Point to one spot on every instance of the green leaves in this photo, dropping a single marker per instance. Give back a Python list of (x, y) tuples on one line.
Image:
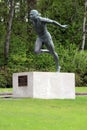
[(67, 42)]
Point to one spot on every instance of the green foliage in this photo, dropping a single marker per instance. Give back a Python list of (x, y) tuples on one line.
[(3, 81), (5, 78), (72, 60), (67, 41), (80, 62)]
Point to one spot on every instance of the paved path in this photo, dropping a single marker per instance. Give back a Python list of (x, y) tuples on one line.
[(6, 94), (9, 94), (81, 94)]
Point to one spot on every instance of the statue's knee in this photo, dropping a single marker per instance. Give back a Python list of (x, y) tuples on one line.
[(36, 52)]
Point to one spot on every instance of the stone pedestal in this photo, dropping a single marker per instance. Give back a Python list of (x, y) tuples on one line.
[(44, 85)]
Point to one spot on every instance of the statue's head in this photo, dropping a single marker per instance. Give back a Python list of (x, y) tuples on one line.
[(34, 14)]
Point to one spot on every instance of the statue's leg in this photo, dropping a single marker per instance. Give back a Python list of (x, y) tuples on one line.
[(44, 51), (55, 55), (50, 47), (38, 46)]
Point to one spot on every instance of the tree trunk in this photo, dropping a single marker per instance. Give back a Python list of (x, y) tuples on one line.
[(31, 4), (84, 26), (8, 34)]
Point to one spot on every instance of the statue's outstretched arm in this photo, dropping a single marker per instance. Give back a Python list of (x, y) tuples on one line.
[(58, 24), (46, 20)]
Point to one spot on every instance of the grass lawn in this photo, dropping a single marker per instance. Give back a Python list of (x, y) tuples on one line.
[(37, 114), (5, 89), (81, 89)]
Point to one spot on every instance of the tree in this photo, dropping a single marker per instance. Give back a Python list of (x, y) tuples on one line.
[(84, 26), (8, 33), (31, 4)]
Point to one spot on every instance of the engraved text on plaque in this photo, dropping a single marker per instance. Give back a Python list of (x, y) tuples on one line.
[(22, 81)]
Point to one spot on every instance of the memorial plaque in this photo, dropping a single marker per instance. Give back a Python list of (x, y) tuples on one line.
[(22, 81)]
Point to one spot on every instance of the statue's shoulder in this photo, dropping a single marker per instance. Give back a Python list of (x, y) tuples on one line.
[(39, 18), (42, 19)]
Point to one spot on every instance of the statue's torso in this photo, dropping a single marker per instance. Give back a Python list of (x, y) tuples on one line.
[(40, 27)]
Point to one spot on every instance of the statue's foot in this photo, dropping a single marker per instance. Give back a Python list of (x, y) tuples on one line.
[(58, 70)]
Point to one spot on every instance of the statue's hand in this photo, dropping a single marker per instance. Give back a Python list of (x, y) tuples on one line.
[(64, 26)]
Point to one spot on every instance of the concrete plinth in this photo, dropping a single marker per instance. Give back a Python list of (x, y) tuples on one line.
[(44, 85)]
